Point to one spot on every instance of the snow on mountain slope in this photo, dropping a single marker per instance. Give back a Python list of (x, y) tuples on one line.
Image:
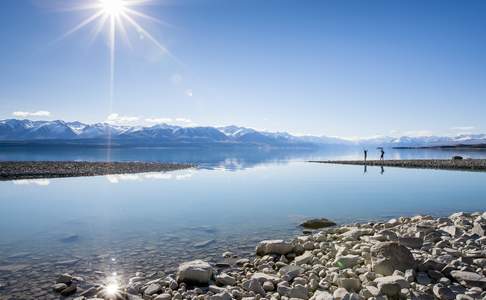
[(25, 130)]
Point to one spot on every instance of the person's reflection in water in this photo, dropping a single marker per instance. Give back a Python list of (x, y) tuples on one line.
[(365, 169), (382, 170)]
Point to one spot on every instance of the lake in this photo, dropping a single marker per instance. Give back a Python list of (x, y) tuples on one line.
[(91, 226)]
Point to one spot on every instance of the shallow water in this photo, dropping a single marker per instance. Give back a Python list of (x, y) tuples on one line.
[(151, 222)]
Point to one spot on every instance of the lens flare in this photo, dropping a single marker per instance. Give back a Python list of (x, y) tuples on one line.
[(112, 289)]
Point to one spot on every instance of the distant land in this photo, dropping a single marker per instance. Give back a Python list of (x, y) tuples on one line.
[(15, 131), (458, 146)]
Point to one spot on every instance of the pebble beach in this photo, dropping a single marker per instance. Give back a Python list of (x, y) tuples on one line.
[(419, 257)]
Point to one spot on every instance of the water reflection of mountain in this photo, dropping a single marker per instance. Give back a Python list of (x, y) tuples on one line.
[(229, 158)]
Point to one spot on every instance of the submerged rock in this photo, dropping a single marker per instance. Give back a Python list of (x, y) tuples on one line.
[(204, 243), (317, 223)]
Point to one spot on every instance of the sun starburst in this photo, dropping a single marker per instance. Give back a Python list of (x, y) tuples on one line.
[(116, 17)]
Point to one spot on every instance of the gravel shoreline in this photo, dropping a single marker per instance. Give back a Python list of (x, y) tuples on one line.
[(418, 257), (442, 164), (17, 170)]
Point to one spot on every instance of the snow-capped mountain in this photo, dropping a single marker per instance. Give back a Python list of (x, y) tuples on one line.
[(27, 130)]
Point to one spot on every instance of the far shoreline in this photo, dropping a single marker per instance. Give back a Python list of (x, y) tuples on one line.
[(475, 165), (19, 170)]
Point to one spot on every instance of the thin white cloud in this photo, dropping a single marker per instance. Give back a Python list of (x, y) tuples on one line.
[(40, 182), (183, 120), (189, 93), (115, 118), (25, 114), (418, 133), (159, 120)]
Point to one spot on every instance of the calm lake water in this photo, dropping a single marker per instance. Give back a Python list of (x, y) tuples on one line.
[(151, 222)]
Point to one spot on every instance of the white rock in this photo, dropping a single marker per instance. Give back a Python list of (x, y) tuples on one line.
[(274, 247), (304, 258), (196, 271), (225, 279)]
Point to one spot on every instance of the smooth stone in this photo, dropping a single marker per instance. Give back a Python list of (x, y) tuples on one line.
[(262, 277), (304, 258), (347, 261), (163, 296), (152, 289), (58, 287), (268, 286), (221, 296), (64, 278), (443, 293), (321, 295), (195, 272), (397, 257), (404, 284), (291, 271), (469, 279), (225, 279), (274, 247), (69, 290), (256, 287), (350, 284)]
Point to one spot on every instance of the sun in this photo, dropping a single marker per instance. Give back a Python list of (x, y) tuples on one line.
[(117, 18), (112, 7)]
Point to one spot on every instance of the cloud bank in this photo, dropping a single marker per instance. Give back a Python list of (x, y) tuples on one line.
[(25, 114)]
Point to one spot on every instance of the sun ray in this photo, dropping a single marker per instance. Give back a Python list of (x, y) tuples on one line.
[(145, 33), (147, 17), (81, 25), (123, 31), (98, 28)]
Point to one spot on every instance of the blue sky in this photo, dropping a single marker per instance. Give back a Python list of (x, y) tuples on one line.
[(343, 68)]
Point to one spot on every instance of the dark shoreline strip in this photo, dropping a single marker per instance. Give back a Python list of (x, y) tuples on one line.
[(16, 170), (477, 165)]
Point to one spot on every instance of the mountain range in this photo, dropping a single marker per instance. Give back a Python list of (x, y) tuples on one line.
[(60, 131)]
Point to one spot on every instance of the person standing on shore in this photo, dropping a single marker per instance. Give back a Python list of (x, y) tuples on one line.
[(365, 154), (382, 156)]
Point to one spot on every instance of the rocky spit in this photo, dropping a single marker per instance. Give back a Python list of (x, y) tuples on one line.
[(440, 164), (17, 170), (418, 257)]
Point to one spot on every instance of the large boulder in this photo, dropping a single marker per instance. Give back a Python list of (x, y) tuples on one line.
[(274, 247), (390, 256), (195, 272)]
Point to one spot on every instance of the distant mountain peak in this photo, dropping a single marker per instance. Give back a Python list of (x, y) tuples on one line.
[(59, 130)]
